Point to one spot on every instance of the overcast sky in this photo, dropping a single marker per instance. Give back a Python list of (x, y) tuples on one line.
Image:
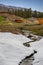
[(34, 4)]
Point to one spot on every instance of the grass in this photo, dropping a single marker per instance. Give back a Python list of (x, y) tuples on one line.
[(36, 29), (17, 27), (8, 26), (2, 18)]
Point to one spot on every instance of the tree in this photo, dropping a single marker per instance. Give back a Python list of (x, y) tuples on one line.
[(29, 12), (11, 11), (35, 14)]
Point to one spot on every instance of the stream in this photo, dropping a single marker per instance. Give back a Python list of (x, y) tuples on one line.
[(29, 60)]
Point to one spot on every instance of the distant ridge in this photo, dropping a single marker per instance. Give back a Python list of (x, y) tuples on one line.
[(4, 8)]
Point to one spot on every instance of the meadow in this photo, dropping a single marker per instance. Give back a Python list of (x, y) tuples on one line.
[(14, 27)]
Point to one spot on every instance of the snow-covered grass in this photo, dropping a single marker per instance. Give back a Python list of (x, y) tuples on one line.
[(12, 50), (38, 46)]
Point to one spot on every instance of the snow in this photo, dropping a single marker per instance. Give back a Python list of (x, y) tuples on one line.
[(38, 46), (12, 50)]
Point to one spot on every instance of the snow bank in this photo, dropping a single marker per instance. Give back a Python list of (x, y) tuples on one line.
[(38, 46), (12, 50)]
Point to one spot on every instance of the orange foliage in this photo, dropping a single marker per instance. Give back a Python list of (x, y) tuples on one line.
[(40, 20)]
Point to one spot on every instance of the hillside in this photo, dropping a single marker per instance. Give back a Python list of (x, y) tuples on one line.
[(10, 22), (18, 14)]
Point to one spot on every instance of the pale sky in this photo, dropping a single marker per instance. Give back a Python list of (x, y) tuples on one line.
[(34, 4)]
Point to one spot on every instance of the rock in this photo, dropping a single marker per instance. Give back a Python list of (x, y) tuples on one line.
[(26, 44), (35, 51)]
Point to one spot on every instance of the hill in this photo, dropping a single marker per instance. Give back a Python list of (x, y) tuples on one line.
[(22, 14), (15, 19)]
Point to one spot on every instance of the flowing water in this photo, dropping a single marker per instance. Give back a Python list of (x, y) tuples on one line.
[(28, 61)]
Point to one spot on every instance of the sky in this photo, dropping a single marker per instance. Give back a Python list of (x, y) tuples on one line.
[(34, 4)]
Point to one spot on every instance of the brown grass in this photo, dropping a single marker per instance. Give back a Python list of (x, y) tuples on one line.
[(9, 26), (40, 20)]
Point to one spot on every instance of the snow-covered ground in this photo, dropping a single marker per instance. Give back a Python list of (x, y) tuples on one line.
[(12, 50), (38, 46)]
